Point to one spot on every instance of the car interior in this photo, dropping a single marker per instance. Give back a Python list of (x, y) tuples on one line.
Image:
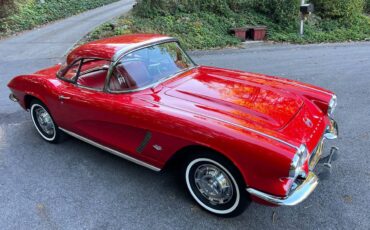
[(138, 69), (123, 79), (93, 74)]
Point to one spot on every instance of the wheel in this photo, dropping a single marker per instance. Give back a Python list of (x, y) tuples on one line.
[(44, 122), (216, 184)]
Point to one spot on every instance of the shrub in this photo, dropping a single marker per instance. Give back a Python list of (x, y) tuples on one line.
[(367, 6), (8, 7), (151, 8), (339, 9), (281, 11), (203, 24), (27, 14)]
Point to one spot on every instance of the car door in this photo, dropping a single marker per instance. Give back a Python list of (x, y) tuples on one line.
[(102, 117)]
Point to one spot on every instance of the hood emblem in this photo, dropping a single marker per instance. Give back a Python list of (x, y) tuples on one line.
[(308, 122)]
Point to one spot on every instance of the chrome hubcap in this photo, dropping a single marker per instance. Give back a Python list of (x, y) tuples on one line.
[(213, 184), (45, 121)]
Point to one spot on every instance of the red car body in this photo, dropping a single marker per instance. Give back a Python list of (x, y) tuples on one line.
[(256, 121)]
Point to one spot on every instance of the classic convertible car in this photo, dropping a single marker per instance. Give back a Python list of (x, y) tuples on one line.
[(239, 136)]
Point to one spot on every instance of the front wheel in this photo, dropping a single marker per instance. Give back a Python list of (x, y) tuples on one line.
[(216, 185), (44, 122)]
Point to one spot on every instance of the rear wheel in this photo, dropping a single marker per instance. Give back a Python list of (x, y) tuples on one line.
[(44, 122), (215, 184)]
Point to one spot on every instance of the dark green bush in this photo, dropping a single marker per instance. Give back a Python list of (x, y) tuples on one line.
[(8, 7), (281, 11), (339, 9), (367, 6), (152, 8)]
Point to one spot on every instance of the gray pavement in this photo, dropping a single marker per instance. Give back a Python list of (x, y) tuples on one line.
[(73, 185)]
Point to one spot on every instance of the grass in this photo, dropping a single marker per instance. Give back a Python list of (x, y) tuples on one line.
[(207, 30), (31, 14)]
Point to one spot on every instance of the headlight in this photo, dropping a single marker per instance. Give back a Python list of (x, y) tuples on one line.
[(332, 105), (298, 161)]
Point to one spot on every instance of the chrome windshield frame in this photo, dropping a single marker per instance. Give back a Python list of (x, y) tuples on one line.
[(122, 53)]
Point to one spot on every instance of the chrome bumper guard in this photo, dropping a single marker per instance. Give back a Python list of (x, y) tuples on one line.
[(302, 191), (12, 97)]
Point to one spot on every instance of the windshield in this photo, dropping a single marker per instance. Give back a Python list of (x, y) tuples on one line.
[(149, 66)]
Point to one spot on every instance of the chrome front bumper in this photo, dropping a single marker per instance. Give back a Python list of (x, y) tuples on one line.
[(302, 191), (296, 197)]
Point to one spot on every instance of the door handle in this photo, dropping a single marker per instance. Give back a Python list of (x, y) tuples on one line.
[(61, 97)]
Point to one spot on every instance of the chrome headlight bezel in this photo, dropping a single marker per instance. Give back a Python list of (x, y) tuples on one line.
[(332, 105), (298, 161)]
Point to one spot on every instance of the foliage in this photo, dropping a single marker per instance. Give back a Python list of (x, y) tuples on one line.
[(367, 6), (283, 12), (8, 7), (205, 24), (339, 9), (327, 30), (280, 11), (27, 14)]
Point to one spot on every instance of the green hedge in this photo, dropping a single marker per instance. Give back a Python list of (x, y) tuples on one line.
[(28, 14), (281, 11), (339, 9), (204, 24)]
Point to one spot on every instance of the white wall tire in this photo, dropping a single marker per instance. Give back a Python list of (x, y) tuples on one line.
[(228, 201), (45, 126)]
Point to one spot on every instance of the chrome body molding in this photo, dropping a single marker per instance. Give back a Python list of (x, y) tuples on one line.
[(112, 151), (296, 197), (231, 123), (12, 97)]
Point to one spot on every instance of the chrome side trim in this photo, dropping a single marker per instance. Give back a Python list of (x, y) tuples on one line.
[(231, 123), (296, 197), (112, 151)]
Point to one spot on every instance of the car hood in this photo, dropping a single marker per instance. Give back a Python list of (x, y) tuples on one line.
[(233, 97)]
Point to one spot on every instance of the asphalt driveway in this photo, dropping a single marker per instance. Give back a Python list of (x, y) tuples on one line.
[(46, 46), (73, 185)]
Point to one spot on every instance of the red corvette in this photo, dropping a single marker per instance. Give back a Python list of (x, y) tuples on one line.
[(239, 135)]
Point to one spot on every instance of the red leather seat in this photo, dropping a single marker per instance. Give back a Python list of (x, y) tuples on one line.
[(135, 74)]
